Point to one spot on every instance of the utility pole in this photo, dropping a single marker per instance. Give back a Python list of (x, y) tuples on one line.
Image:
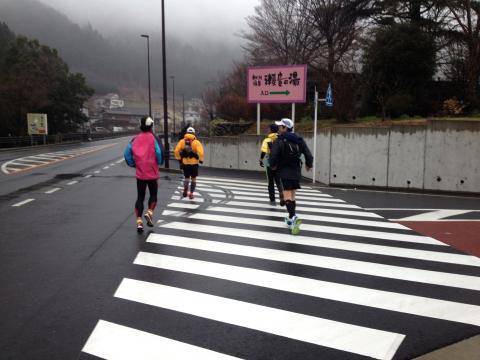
[(173, 96), (149, 86), (165, 104), (183, 111)]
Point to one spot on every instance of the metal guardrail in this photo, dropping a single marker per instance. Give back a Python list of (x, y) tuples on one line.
[(35, 140)]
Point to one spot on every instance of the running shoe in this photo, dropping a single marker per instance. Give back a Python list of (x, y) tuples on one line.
[(139, 225), (296, 222), (190, 196), (185, 193), (288, 222), (149, 217)]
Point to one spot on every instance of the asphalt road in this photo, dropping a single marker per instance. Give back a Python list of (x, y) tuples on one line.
[(63, 254), (219, 277)]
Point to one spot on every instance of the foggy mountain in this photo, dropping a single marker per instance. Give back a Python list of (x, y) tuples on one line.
[(119, 60)]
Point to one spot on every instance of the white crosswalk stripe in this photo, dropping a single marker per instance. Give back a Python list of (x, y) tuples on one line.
[(226, 260), (112, 341)]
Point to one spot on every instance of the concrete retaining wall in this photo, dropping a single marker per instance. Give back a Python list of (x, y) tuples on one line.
[(443, 155)]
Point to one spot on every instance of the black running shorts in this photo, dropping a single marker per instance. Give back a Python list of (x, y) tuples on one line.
[(289, 184), (190, 170)]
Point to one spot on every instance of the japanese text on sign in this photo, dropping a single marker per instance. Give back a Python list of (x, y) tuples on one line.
[(277, 84)]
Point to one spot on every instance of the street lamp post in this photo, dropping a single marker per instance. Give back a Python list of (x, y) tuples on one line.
[(173, 96), (149, 86), (165, 109), (183, 111)]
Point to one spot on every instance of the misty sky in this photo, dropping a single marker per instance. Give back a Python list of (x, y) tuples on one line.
[(187, 19)]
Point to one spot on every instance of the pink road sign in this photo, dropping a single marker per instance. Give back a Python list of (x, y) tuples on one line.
[(277, 84)]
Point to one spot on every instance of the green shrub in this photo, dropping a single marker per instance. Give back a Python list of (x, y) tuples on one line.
[(398, 105)]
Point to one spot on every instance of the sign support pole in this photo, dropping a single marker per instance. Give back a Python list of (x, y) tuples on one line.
[(293, 115), (315, 119), (258, 118)]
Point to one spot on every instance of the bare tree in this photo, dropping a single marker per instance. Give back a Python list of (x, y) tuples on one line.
[(464, 29), (335, 25), (279, 33), (210, 99)]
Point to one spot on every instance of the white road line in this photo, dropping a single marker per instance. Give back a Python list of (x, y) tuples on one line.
[(438, 221), (339, 220), (299, 202), (256, 187), (97, 171), (195, 193), (251, 193), (214, 192), (239, 181), (43, 158), (325, 262), (88, 176), (198, 199), (72, 182), (117, 342), (106, 167), (21, 203), (32, 161), (434, 215), (183, 206), (65, 153), (449, 258), (52, 156), (308, 209), (52, 190), (314, 330), (316, 228), (20, 163), (112, 164), (410, 304), (232, 180), (414, 209)]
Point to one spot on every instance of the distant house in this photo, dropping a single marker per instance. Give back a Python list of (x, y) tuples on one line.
[(114, 119)]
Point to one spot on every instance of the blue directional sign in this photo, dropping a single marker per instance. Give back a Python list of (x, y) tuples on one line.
[(329, 97)]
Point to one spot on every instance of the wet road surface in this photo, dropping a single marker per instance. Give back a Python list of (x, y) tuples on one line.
[(220, 276)]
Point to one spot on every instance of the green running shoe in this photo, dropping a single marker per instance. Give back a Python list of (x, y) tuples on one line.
[(296, 225)]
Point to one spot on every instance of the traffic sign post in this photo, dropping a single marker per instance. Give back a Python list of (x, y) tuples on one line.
[(328, 102), (258, 118), (315, 118), (37, 124)]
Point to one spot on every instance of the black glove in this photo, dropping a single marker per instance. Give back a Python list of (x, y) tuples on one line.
[(195, 155), (201, 162), (261, 163)]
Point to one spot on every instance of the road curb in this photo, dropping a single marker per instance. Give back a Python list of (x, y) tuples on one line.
[(464, 350)]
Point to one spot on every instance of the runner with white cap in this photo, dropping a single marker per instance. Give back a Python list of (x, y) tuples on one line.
[(285, 158), (189, 152)]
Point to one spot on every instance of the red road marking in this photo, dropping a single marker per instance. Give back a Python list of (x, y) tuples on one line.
[(463, 235)]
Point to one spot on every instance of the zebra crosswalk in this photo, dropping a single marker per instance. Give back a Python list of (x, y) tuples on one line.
[(222, 278)]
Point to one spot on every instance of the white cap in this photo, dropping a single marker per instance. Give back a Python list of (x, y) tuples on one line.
[(190, 130), (285, 122), (148, 121)]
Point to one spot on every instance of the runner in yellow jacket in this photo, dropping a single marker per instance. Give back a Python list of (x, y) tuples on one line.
[(272, 176), (189, 151)]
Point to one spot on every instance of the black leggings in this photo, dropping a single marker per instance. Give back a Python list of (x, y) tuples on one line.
[(273, 179), (141, 192)]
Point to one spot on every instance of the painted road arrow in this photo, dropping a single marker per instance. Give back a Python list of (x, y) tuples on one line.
[(280, 93)]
